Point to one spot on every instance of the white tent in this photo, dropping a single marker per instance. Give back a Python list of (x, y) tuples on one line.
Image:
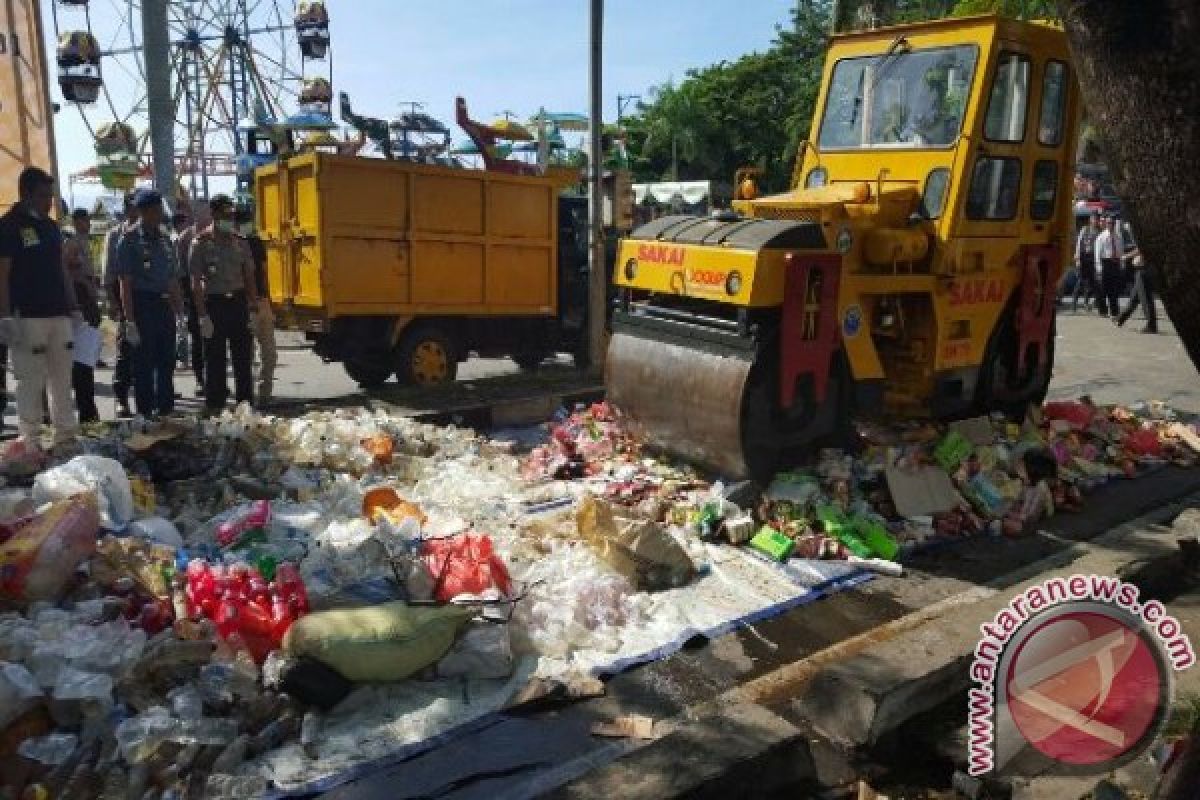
[(666, 192)]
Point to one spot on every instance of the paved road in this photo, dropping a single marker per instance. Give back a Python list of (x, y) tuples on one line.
[(1093, 357), (1121, 365)]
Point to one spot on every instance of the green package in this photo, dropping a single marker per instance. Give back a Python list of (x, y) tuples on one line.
[(952, 451), (876, 538), (840, 527), (772, 543)]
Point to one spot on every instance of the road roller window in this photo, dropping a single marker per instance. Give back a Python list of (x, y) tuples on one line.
[(995, 189), (1010, 97), (933, 201), (1045, 190), (1054, 104), (902, 98)]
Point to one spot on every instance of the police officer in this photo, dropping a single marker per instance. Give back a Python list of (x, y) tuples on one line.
[(148, 273), (37, 309), (123, 368), (264, 320), (225, 294)]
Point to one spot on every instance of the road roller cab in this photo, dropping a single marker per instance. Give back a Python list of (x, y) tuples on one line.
[(908, 272)]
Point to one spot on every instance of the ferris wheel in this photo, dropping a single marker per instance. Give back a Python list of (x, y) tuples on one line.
[(235, 66)]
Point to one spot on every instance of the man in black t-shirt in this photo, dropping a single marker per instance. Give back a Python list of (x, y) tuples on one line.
[(37, 309)]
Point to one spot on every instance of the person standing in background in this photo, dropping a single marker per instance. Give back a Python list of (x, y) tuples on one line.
[(1109, 250), (224, 291), (264, 320), (77, 258), (123, 368), (185, 233), (1143, 291), (37, 309), (149, 282), (1086, 267)]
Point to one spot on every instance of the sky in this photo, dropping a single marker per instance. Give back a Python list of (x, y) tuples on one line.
[(501, 55)]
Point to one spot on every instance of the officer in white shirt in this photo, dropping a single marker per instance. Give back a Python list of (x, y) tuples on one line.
[(1110, 247)]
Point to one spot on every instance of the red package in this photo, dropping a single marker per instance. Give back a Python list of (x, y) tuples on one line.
[(464, 564), (1078, 415), (38, 554), (1144, 442)]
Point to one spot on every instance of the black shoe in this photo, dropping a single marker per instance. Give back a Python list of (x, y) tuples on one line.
[(1149, 329), (123, 412)]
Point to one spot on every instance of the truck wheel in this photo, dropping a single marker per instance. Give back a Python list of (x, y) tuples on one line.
[(995, 390), (367, 374), (426, 357)]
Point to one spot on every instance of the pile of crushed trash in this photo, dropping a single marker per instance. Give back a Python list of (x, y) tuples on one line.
[(898, 488), (251, 603)]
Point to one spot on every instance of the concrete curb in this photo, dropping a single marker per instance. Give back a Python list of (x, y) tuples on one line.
[(851, 694), (744, 751), (857, 701)]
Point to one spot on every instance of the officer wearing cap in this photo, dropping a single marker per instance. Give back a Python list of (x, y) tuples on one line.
[(225, 293), (148, 274)]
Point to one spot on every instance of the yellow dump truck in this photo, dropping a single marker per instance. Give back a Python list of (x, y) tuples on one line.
[(392, 267)]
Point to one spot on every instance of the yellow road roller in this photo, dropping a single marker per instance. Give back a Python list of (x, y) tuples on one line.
[(908, 273)]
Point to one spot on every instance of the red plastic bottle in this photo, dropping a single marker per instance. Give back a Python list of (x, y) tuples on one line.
[(228, 617), (291, 586)]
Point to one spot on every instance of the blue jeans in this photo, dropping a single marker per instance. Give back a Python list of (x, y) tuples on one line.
[(154, 358)]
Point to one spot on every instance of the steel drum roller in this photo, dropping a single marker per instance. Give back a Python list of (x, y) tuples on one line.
[(682, 400)]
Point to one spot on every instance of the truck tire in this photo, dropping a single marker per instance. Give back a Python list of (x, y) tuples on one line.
[(993, 390), (366, 374), (426, 356)]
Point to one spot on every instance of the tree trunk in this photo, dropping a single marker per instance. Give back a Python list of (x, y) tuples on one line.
[(1139, 68)]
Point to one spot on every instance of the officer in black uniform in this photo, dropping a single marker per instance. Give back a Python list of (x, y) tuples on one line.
[(225, 294), (122, 381), (148, 272), (37, 309)]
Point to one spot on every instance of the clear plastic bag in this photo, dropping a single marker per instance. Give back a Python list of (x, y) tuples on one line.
[(482, 650), (157, 530), (104, 476)]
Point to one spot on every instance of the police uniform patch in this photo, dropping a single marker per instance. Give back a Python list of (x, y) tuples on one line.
[(29, 237)]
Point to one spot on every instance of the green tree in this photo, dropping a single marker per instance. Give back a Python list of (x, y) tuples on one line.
[(750, 112)]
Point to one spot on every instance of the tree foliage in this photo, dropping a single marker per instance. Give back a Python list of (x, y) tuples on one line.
[(756, 111), (750, 112)]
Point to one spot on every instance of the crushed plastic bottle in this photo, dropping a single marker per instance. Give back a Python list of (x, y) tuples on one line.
[(19, 692), (186, 702), (140, 737), (52, 750), (232, 756)]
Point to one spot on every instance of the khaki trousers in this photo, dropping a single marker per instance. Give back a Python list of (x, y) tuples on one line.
[(264, 336), (41, 362)]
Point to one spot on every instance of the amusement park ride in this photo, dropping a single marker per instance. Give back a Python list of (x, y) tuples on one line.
[(249, 81), (236, 67)]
